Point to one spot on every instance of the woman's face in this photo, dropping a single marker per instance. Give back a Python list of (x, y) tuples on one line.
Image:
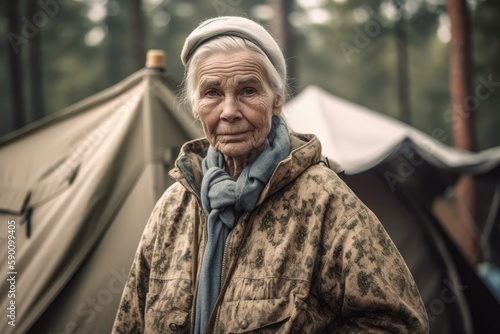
[(234, 102)]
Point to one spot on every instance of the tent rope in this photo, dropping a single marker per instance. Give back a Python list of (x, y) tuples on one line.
[(490, 223)]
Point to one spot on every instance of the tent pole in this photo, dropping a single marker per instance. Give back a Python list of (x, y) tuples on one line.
[(155, 59)]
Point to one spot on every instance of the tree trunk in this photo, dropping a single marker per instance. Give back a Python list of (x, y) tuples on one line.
[(402, 64), (138, 34), (35, 62), (15, 70), (463, 117), (281, 31), (116, 64)]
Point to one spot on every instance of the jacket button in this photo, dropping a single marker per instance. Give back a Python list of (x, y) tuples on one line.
[(243, 324), (173, 327)]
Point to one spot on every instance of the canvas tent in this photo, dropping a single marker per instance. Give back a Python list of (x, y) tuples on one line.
[(398, 172), (360, 138), (82, 183)]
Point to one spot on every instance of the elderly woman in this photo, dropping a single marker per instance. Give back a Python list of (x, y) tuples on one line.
[(257, 235)]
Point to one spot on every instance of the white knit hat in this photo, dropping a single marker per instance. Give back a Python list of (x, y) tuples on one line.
[(235, 26)]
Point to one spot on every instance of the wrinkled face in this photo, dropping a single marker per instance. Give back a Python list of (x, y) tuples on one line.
[(234, 102)]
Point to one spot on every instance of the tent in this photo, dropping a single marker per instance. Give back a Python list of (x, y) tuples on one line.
[(79, 186), (359, 138), (399, 172)]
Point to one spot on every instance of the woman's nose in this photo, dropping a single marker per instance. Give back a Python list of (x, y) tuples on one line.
[(231, 111)]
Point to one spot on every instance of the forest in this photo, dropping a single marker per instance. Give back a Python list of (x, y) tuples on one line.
[(389, 55)]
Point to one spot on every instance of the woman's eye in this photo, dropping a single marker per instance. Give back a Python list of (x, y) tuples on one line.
[(249, 91), (211, 92)]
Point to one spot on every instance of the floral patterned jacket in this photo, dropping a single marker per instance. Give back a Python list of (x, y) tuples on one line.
[(310, 258)]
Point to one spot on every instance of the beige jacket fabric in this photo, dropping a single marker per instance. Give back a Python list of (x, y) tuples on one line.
[(310, 258)]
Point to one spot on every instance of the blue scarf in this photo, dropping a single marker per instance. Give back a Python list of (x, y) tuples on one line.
[(223, 199)]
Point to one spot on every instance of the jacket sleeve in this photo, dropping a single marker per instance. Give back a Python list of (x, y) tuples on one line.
[(366, 281), (130, 315)]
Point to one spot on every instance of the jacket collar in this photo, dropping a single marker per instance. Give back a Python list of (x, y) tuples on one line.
[(305, 151)]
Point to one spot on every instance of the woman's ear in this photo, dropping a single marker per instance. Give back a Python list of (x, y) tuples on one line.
[(194, 108), (196, 114), (278, 105)]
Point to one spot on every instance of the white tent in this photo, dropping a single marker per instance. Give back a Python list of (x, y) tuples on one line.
[(398, 172), (359, 138)]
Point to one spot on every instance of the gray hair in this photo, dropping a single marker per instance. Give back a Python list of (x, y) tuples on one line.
[(226, 44)]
